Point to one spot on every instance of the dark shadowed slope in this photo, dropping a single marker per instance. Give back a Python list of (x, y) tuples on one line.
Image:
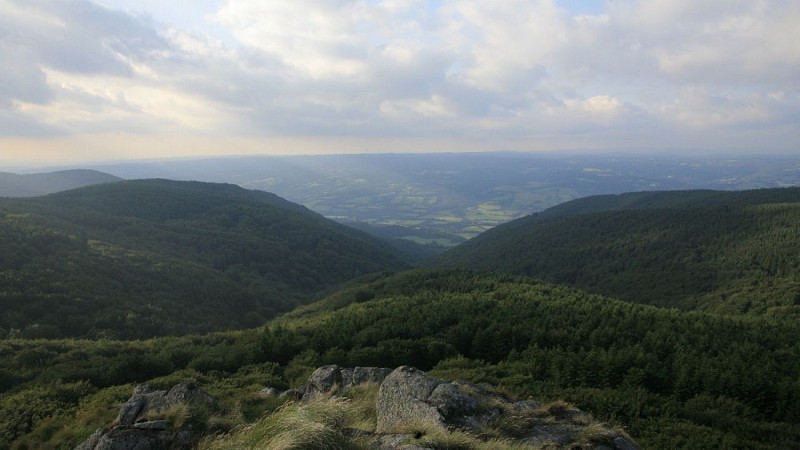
[(141, 258), (723, 251)]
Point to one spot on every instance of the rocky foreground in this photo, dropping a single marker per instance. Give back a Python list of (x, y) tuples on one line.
[(412, 411)]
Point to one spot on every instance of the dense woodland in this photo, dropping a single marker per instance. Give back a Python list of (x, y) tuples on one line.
[(138, 259), (669, 377), (672, 378), (728, 252)]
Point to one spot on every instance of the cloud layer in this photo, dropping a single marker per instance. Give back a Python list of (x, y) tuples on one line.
[(660, 73)]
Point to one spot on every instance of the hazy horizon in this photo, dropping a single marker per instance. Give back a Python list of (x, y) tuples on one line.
[(31, 167)]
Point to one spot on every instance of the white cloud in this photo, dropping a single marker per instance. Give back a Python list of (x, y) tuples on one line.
[(501, 46), (371, 68), (318, 38), (716, 40)]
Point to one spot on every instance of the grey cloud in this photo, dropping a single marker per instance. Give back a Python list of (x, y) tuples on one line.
[(76, 37), (633, 57), (94, 39), (20, 77)]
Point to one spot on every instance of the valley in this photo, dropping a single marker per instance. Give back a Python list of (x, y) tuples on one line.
[(670, 314), (460, 195), (399, 225)]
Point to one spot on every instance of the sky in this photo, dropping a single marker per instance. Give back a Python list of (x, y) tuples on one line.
[(104, 80)]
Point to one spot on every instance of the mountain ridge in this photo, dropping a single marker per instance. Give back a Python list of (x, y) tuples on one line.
[(32, 185), (726, 251), (139, 254)]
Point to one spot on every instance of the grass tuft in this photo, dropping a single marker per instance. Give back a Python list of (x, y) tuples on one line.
[(314, 425)]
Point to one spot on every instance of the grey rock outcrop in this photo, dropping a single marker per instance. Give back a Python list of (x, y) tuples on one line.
[(409, 400), (326, 378), (414, 411), (409, 396), (133, 439), (136, 428), (145, 400), (403, 400)]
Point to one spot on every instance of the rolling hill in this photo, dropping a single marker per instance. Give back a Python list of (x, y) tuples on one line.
[(31, 185), (730, 252), (674, 378), (136, 259), (155, 257), (460, 195)]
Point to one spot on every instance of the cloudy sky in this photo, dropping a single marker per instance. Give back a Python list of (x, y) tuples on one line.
[(93, 80)]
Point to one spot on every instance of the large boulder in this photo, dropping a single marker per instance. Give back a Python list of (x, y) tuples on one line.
[(145, 401), (403, 400), (409, 396), (138, 427)]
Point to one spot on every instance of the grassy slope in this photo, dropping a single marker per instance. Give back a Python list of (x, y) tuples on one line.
[(728, 252), (136, 259)]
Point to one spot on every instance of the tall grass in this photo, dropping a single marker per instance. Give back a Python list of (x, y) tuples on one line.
[(315, 425)]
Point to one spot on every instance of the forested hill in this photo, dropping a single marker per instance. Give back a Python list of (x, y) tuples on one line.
[(31, 185), (671, 199), (673, 379), (730, 252), (137, 259)]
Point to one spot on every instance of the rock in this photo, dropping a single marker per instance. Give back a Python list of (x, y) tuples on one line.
[(269, 391), (147, 401), (526, 405), (130, 410), (409, 400), (402, 400), (409, 396), (293, 394), (548, 434), (152, 425), (91, 442), (142, 389), (347, 376), (325, 378), (122, 438), (135, 433), (623, 444), (453, 404), (187, 393), (362, 375)]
